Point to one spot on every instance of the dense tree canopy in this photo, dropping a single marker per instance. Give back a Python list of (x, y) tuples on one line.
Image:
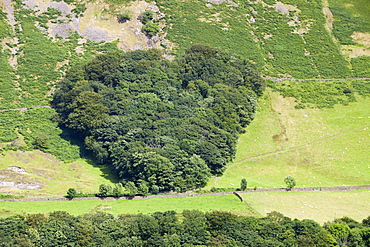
[(168, 124), (191, 228)]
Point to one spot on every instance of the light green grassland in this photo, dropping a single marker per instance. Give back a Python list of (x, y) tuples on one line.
[(222, 202), (327, 147), (55, 176), (321, 206)]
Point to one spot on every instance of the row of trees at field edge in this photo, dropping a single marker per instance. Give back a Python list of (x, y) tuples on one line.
[(169, 229), (130, 189), (166, 125)]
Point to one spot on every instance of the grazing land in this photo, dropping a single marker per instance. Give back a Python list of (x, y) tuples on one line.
[(321, 206), (318, 147), (221, 202)]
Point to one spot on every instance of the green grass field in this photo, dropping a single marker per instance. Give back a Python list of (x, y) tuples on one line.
[(318, 147), (321, 206), (54, 176), (222, 202)]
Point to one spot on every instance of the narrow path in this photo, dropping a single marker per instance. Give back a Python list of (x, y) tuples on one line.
[(26, 108)]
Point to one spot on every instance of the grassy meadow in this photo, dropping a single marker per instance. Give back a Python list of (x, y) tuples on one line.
[(321, 206), (54, 176), (318, 147), (221, 202)]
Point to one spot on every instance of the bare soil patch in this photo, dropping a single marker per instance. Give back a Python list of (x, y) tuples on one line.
[(329, 18), (362, 38), (363, 49)]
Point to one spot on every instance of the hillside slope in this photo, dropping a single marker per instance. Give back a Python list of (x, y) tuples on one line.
[(40, 40)]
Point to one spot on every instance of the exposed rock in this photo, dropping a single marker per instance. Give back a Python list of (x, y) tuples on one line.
[(28, 186), (282, 9), (63, 30), (18, 169), (61, 6), (97, 35), (30, 4), (229, 2), (7, 184)]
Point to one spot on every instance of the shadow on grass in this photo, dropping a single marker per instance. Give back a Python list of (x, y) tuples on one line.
[(76, 139), (107, 173)]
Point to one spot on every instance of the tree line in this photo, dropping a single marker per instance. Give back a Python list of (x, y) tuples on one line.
[(160, 124), (170, 229)]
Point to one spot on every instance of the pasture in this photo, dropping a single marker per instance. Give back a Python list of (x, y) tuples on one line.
[(221, 202), (321, 206), (318, 147)]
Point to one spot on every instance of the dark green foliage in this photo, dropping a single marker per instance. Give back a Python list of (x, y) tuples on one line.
[(147, 16), (154, 189), (290, 182), (340, 232), (143, 189), (105, 190), (124, 16), (366, 221), (117, 190), (79, 9), (71, 193), (194, 228), (159, 124), (151, 28), (41, 141), (131, 188), (243, 184)]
